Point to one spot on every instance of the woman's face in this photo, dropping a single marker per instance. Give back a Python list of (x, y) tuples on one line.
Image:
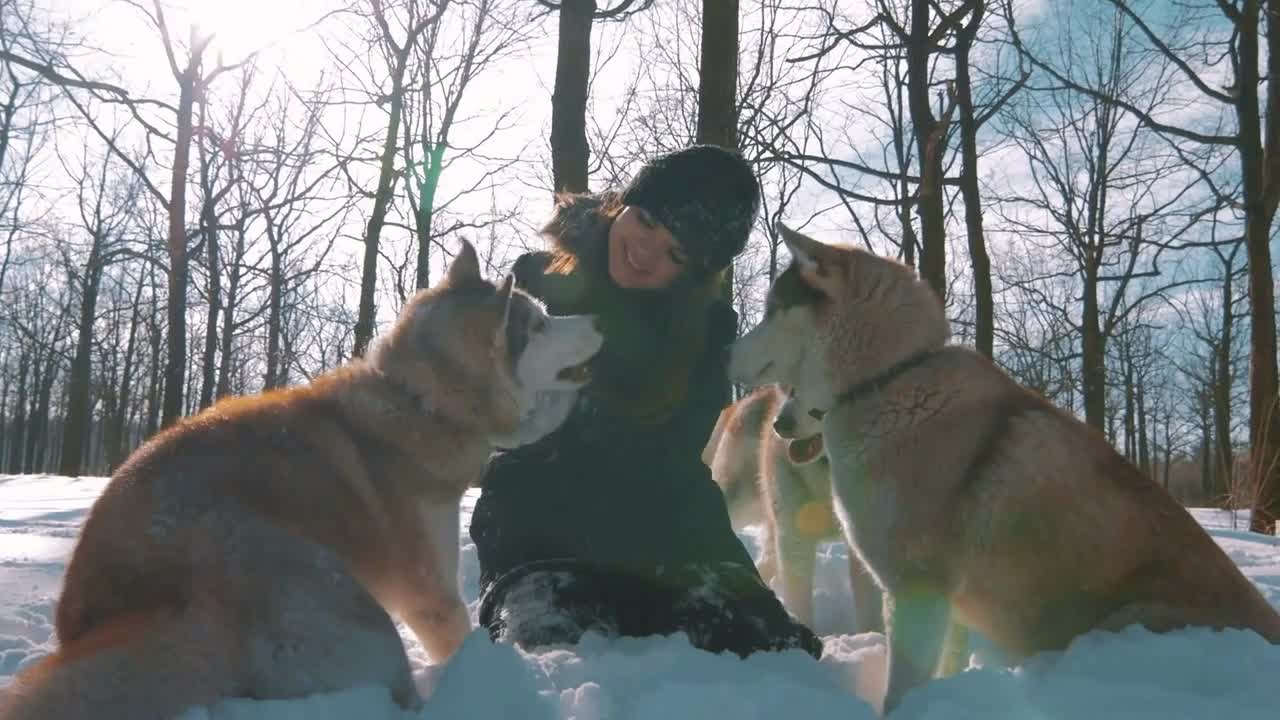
[(643, 255)]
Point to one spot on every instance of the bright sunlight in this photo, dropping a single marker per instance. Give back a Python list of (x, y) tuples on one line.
[(240, 27)]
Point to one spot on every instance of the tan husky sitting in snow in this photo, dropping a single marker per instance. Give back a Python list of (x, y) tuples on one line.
[(784, 485), (967, 495), (256, 549)]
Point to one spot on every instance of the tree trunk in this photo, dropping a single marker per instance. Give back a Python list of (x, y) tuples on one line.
[(718, 89), (1143, 449), (1111, 427), (193, 390), (4, 415), (1168, 445), (38, 424), (381, 204), (930, 146), (1206, 456), (718, 74), (570, 154), (155, 388), (426, 211), (274, 300), (1144, 456), (18, 445), (208, 226), (1221, 393), (116, 440), (1264, 414), (1093, 355), (1258, 173), (287, 350), (984, 301), (1130, 411), (176, 361), (910, 241), (229, 318), (77, 419)]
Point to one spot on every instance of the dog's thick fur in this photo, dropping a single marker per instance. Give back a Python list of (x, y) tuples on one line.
[(256, 549), (733, 454), (791, 497), (965, 492)]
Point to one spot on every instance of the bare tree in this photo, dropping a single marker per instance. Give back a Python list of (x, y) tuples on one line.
[(1101, 192), (931, 132), (449, 58), (1209, 356), (237, 280), (122, 359), (570, 154), (876, 181), (24, 125), (718, 87), (192, 79), (1134, 361), (39, 318), (217, 142), (768, 108), (106, 200), (300, 207), (718, 74), (187, 64), (1037, 341), (418, 17), (918, 47), (1177, 39), (905, 31), (970, 123)]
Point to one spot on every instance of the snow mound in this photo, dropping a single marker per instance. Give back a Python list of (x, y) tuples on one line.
[(1194, 674)]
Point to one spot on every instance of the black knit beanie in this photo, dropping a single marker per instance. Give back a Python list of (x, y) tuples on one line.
[(706, 195)]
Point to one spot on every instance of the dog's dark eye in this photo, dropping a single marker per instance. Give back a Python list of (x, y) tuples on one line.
[(817, 414)]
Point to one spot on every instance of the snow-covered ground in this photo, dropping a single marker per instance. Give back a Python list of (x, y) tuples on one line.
[(1191, 674)]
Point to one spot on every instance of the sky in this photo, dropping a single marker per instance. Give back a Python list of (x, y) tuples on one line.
[(281, 32), (522, 84)]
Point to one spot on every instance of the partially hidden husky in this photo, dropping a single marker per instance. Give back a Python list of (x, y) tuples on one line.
[(966, 494), (784, 485), (256, 549)]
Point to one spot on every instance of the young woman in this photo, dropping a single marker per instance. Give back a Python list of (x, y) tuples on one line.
[(612, 524)]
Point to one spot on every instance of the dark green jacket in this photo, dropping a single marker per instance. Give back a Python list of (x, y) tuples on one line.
[(612, 488), (613, 521)]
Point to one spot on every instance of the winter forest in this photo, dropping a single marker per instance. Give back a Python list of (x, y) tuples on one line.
[(204, 199)]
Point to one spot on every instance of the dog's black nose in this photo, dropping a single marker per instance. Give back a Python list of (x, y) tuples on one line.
[(784, 424)]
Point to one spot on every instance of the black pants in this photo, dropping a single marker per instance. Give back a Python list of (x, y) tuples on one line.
[(721, 607)]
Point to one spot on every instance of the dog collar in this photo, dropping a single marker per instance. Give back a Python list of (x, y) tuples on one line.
[(876, 382)]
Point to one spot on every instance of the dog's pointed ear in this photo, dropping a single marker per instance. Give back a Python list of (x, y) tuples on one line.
[(505, 294), (465, 266), (815, 261)]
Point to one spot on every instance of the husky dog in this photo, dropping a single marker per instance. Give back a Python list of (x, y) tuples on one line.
[(257, 549), (785, 485), (964, 492), (732, 453)]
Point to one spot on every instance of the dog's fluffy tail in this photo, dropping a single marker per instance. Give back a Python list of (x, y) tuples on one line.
[(144, 665)]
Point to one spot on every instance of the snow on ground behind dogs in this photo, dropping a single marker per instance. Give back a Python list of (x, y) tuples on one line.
[(1191, 674)]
